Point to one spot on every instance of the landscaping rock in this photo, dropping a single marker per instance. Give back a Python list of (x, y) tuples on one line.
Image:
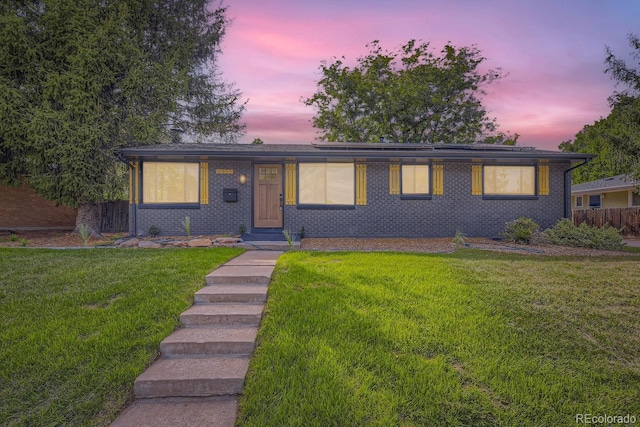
[(227, 240), (180, 244), (199, 243), (129, 243), (148, 244)]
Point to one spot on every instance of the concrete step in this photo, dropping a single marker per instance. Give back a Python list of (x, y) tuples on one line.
[(192, 377), (183, 412), (242, 275), (255, 258), (201, 341), (222, 314), (231, 293)]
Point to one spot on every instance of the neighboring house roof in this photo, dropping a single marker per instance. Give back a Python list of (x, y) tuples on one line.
[(603, 185), (356, 150)]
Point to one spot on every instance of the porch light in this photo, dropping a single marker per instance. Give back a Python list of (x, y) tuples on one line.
[(243, 179)]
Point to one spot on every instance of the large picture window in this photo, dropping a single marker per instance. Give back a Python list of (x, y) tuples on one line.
[(165, 182), (509, 180), (326, 183), (415, 179)]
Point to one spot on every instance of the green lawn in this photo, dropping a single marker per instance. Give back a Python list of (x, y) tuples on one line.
[(78, 326), (467, 339)]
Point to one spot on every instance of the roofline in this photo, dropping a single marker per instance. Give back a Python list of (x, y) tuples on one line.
[(141, 153), (630, 186)]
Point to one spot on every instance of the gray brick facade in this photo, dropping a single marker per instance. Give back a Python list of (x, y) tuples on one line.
[(385, 215), (216, 217)]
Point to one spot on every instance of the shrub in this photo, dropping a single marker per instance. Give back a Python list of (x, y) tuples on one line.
[(565, 232), (186, 224), (522, 230), (154, 231)]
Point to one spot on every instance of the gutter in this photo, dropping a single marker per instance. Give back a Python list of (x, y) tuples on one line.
[(567, 187), (133, 209)]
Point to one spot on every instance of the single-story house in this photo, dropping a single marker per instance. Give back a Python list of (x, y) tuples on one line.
[(346, 189), (619, 191), (21, 208)]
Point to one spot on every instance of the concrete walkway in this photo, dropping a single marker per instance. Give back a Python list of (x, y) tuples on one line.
[(633, 242), (201, 370)]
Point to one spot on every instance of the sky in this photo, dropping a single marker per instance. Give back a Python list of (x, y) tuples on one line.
[(552, 51)]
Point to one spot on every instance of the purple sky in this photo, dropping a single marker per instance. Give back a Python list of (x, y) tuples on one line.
[(552, 50)]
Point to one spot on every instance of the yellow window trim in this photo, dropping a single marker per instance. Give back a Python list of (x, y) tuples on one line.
[(290, 184), (394, 179), (204, 183), (361, 184), (438, 180), (476, 180), (543, 180)]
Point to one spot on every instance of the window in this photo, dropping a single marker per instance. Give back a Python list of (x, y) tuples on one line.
[(509, 180), (326, 183), (415, 179), (578, 201), (594, 201), (635, 200), (165, 182)]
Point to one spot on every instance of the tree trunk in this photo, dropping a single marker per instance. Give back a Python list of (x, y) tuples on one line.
[(89, 214)]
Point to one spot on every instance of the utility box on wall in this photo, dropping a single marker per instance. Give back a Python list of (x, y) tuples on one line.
[(230, 194)]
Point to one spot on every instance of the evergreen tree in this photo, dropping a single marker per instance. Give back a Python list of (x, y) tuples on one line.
[(81, 78)]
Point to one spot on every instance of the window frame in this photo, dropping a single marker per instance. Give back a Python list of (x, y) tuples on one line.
[(599, 205), (417, 196), (581, 204), (635, 199), (533, 196), (319, 206), (168, 205)]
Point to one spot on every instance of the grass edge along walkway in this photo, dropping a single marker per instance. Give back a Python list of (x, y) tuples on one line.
[(78, 327), (471, 338)]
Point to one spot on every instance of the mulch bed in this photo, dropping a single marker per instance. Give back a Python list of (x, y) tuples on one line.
[(63, 239)]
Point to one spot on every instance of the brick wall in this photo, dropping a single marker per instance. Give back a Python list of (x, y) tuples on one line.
[(23, 208), (217, 217), (385, 215)]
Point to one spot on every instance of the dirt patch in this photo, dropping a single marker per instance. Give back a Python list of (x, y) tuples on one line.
[(63, 239), (51, 239)]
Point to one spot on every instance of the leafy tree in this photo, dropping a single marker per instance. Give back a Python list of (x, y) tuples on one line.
[(80, 79), (410, 95), (257, 141), (614, 139)]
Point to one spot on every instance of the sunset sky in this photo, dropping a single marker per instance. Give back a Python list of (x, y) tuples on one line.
[(552, 50)]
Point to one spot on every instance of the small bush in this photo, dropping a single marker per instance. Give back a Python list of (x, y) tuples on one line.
[(85, 233), (154, 231), (522, 230), (186, 224), (566, 233)]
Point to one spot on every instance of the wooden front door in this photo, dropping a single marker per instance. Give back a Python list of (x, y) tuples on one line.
[(267, 196)]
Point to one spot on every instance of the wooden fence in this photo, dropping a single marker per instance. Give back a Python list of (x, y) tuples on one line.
[(115, 217), (626, 218)]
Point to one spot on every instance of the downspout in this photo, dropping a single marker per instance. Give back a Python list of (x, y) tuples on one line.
[(133, 208), (567, 187)]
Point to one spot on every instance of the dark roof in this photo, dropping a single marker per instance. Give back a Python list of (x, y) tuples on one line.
[(611, 183), (356, 150)]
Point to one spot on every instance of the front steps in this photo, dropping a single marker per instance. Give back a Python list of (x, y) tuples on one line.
[(208, 358)]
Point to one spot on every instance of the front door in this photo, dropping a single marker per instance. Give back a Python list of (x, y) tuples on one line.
[(267, 196)]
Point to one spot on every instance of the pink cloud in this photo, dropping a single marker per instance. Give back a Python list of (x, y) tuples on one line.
[(553, 52)]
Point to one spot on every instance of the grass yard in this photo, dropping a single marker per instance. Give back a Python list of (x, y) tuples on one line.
[(466, 339), (78, 326)]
